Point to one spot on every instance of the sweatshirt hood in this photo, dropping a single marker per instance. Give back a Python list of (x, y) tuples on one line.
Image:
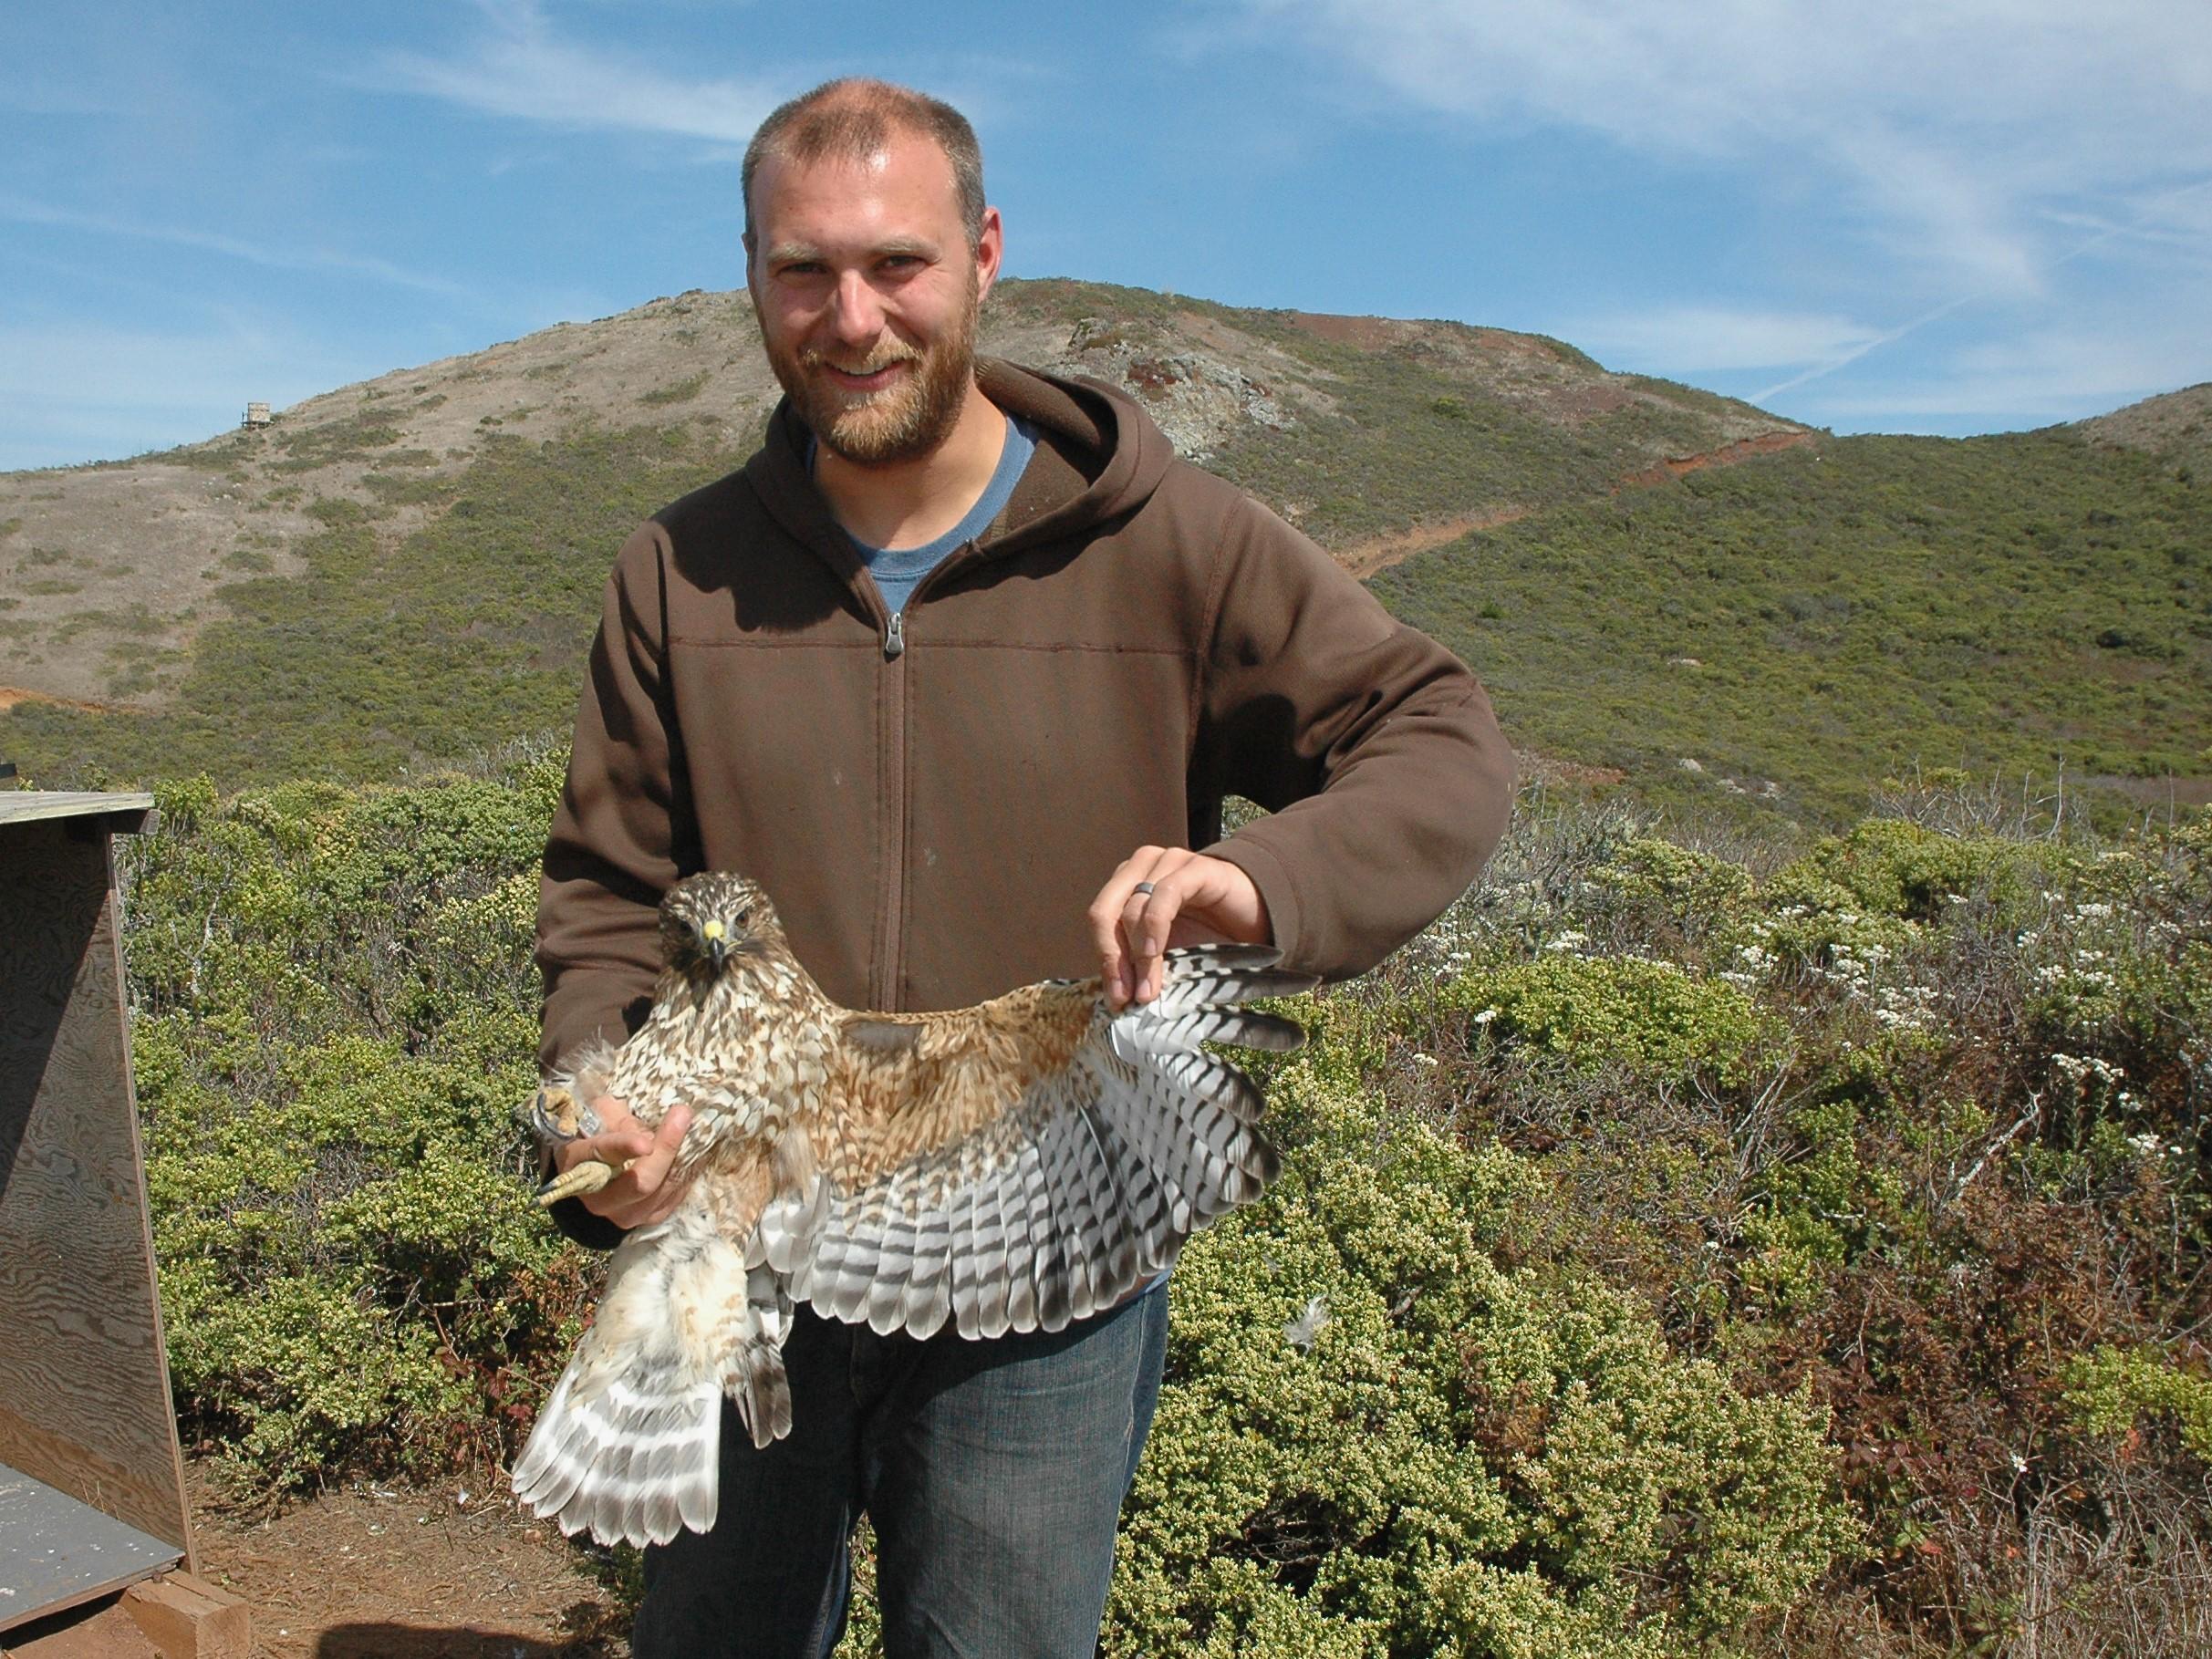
[(1099, 457)]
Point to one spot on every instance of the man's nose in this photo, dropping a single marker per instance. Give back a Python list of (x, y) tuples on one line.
[(859, 310)]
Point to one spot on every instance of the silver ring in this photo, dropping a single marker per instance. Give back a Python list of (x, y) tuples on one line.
[(1144, 886)]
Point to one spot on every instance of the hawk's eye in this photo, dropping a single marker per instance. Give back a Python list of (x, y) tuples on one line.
[(744, 916)]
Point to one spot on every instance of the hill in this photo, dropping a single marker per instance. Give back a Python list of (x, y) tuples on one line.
[(2176, 428), (403, 572), (408, 569)]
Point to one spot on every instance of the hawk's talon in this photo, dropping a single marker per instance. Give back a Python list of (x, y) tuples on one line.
[(557, 1115), (587, 1177)]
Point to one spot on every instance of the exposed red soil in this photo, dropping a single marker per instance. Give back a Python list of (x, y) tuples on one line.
[(1364, 558), (1727, 455), (11, 695), (1367, 333)]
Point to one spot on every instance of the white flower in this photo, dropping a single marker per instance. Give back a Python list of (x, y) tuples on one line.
[(1486, 1016), (1569, 941), (1301, 1332), (2147, 1144)]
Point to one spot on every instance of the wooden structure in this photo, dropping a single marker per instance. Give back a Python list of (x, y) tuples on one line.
[(91, 1481)]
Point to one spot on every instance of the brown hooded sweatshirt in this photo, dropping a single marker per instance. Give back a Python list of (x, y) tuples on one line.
[(933, 800)]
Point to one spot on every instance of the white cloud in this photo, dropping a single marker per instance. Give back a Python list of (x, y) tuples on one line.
[(1691, 339), (517, 67), (24, 211), (1946, 122), (2048, 374)]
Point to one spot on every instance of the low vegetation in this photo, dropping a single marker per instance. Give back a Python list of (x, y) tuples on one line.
[(1689, 1246), (1820, 619)]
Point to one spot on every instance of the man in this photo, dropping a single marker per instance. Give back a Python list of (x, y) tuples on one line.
[(959, 667)]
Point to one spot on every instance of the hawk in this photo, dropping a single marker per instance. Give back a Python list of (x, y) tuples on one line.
[(1005, 1167)]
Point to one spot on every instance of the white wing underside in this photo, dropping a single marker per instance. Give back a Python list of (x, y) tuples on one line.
[(1079, 1191), (1058, 1207)]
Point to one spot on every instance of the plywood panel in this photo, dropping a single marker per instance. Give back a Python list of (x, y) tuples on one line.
[(55, 1552), (82, 1375)]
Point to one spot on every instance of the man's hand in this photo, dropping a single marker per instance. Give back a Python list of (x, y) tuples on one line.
[(643, 1193), (1191, 900)]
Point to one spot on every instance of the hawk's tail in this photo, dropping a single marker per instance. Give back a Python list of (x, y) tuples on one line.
[(628, 1446)]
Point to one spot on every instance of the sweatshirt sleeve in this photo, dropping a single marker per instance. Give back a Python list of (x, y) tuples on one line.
[(616, 843), (619, 836), (1373, 749)]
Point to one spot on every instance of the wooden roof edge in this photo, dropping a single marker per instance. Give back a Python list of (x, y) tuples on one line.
[(124, 810)]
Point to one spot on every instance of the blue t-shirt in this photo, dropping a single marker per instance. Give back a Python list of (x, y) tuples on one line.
[(900, 570)]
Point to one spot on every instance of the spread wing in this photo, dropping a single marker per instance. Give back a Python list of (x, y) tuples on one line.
[(1029, 1161)]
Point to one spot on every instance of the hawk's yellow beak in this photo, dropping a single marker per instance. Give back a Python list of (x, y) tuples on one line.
[(711, 931), (716, 937)]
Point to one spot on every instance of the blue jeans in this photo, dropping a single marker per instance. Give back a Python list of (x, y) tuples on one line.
[(993, 1471)]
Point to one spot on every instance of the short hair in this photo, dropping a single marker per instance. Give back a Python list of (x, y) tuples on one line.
[(853, 118)]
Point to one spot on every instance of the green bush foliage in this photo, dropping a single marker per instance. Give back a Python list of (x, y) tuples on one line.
[(334, 1019), (1683, 1247), (1827, 617), (1375, 1440)]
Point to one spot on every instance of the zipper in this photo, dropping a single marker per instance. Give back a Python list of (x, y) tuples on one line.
[(891, 895)]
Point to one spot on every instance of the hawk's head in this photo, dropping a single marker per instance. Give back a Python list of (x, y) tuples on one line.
[(707, 922)]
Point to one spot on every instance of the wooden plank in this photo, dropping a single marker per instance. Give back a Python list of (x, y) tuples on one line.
[(55, 1552), (187, 1618), (82, 1372), (28, 806)]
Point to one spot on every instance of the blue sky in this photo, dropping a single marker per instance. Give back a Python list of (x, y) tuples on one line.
[(1907, 215)]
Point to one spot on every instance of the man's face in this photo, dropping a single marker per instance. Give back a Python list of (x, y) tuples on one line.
[(867, 292)]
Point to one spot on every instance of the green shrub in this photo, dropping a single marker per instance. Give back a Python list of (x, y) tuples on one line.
[(1375, 1440), (2110, 1388), (1652, 1017), (336, 1019)]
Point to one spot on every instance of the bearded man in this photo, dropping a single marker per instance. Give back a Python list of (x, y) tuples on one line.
[(960, 666)]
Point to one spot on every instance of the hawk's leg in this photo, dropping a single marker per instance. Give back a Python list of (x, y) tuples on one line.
[(557, 1115)]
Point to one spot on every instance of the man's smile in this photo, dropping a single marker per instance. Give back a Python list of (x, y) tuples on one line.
[(868, 380)]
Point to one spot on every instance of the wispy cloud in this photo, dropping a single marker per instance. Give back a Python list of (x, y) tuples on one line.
[(1682, 339), (23, 211), (2089, 369), (1945, 124), (517, 66)]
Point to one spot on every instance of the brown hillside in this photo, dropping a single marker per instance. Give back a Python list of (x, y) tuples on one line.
[(109, 572), (2175, 425)]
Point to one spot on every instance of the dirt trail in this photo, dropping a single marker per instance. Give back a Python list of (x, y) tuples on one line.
[(1727, 455), (11, 695), (1364, 558)]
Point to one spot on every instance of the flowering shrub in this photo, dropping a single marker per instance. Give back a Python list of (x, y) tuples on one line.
[(1453, 1457), (1673, 1241)]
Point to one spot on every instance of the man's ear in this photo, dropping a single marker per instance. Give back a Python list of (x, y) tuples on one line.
[(990, 249)]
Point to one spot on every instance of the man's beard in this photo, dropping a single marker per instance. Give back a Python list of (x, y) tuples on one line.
[(908, 419)]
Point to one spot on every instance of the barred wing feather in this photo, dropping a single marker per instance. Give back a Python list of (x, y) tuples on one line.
[(1018, 1197)]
